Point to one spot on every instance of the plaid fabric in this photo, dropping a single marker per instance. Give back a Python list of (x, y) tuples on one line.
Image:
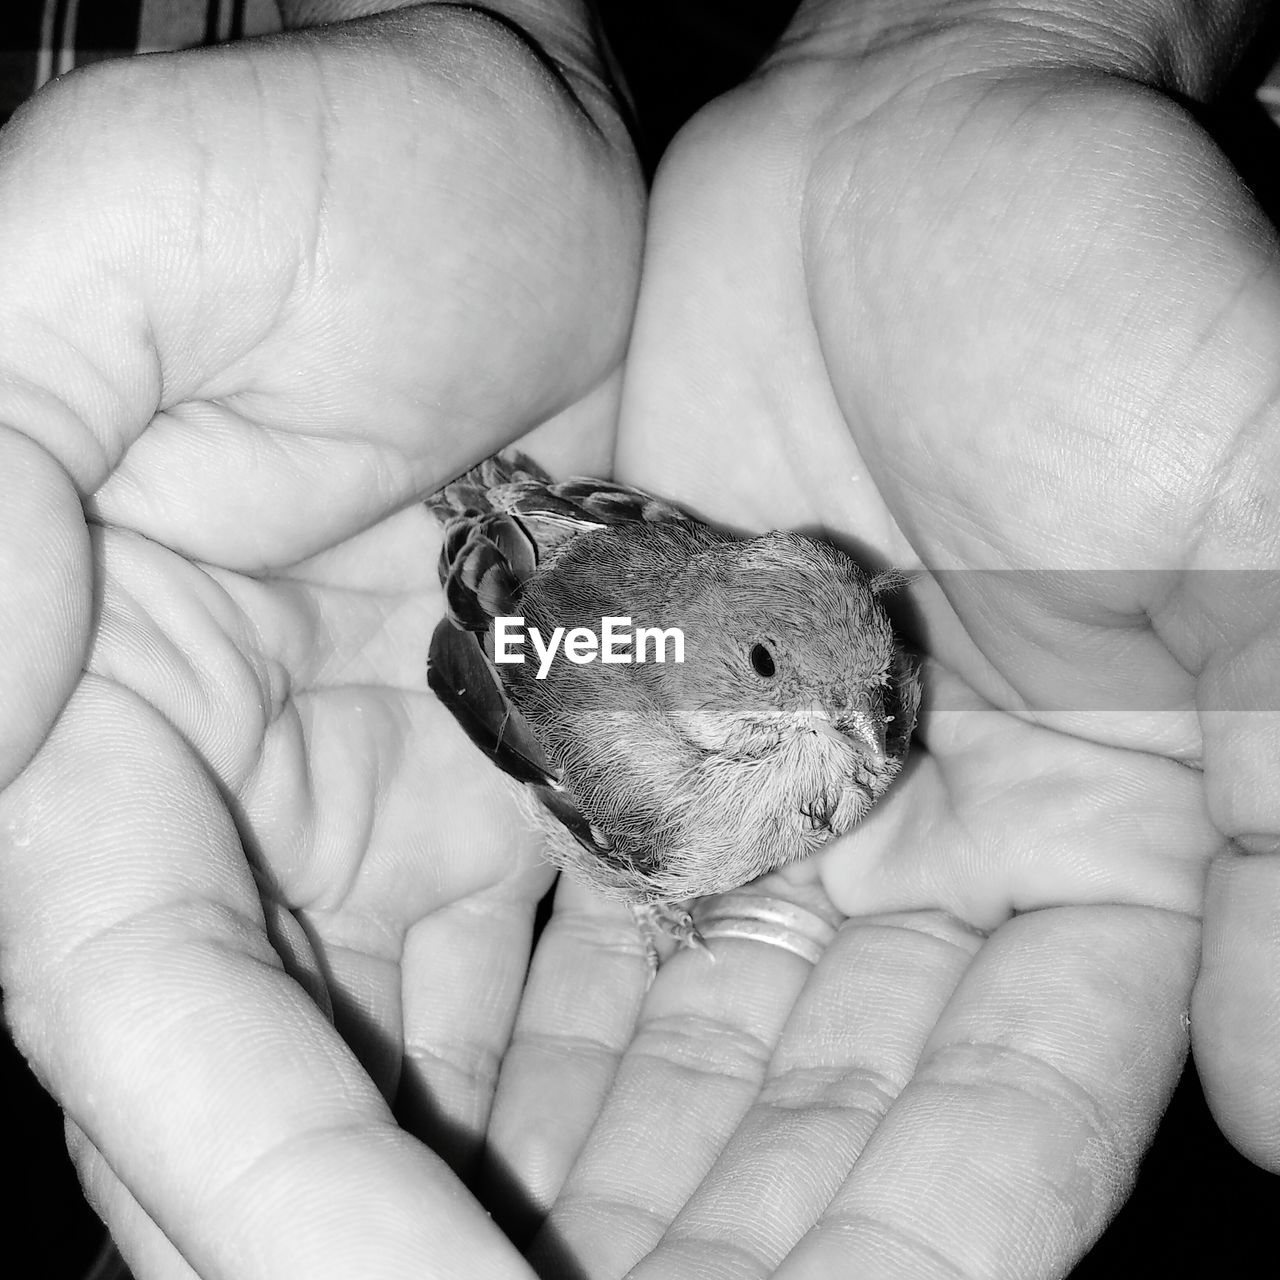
[(40, 39)]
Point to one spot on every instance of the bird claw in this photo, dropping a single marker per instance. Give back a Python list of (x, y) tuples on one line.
[(659, 920)]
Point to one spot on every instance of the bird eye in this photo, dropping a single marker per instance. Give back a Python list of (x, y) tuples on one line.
[(762, 662)]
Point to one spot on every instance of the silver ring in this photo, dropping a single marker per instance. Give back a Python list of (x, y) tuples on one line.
[(776, 921)]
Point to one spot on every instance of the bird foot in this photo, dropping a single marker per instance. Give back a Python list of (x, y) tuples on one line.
[(658, 921)]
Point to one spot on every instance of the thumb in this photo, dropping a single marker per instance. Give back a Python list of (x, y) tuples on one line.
[(45, 593)]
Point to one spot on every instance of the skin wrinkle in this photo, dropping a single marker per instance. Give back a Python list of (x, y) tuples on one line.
[(710, 1254), (53, 983), (211, 699), (837, 204), (189, 917), (1233, 461), (380, 943), (968, 1064), (100, 379), (478, 1068), (834, 220), (239, 1189), (533, 47), (85, 1101), (1089, 39), (803, 43), (1166, 623), (1133, 40), (253, 664), (118, 399), (613, 1209), (946, 767), (335, 895), (938, 926), (840, 210), (200, 204), (85, 473), (361, 840), (806, 1087), (697, 1044), (281, 440), (203, 202), (796, 1168), (992, 91), (1210, 477), (852, 1223), (572, 1044), (154, 720), (326, 124), (240, 801), (583, 926)]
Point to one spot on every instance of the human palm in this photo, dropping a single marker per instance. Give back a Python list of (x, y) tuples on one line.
[(853, 317), (1005, 325), (248, 323)]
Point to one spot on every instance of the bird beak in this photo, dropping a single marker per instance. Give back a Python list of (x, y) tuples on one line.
[(863, 725), (867, 728), (820, 720)]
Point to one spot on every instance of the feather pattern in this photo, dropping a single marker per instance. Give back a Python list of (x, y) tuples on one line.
[(660, 781)]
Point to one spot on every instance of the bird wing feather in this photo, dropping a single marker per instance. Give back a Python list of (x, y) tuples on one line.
[(501, 520)]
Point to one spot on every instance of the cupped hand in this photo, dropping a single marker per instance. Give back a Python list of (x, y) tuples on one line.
[(968, 288), (258, 301)]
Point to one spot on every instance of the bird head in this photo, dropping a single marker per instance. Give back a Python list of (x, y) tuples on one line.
[(783, 636)]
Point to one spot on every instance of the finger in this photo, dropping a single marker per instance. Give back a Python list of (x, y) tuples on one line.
[(140, 982), (464, 969), (345, 341), (577, 1016), (1235, 1016), (44, 622), (380, 596), (308, 706), (705, 1035), (299, 696), (849, 1047), (1236, 1012), (148, 1252), (1020, 1133)]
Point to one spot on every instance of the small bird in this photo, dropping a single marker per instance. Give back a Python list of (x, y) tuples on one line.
[(697, 709)]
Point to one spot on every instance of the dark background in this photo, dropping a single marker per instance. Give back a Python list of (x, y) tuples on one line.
[(1199, 1209)]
